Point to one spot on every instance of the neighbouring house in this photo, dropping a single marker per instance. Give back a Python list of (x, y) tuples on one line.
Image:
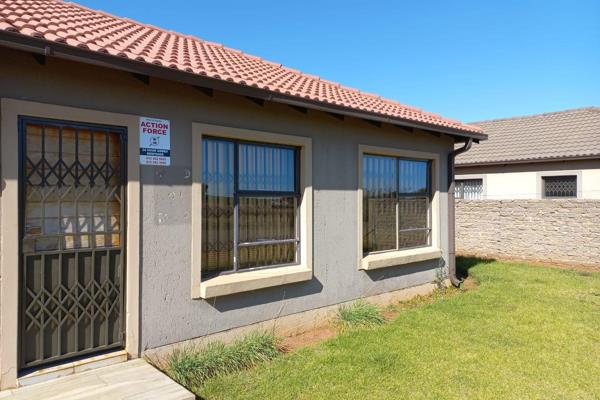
[(532, 191), (158, 188), (551, 155)]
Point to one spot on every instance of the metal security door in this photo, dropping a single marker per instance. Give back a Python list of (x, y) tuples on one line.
[(72, 187)]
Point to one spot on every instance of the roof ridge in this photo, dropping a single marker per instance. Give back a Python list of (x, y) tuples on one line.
[(568, 110)]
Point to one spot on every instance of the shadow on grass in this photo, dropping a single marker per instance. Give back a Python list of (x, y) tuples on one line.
[(465, 263)]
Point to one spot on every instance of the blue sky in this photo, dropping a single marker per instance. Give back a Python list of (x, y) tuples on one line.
[(469, 60)]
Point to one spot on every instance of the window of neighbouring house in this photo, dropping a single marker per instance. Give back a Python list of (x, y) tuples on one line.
[(559, 186), (250, 205), (396, 203), (468, 189)]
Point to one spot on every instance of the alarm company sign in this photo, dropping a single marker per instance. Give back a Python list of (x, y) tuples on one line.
[(155, 141)]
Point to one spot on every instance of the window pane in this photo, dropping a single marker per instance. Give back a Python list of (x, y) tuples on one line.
[(379, 203), (413, 239), (560, 186), (266, 168), (218, 205), (266, 218), (469, 189), (264, 255), (414, 212), (413, 177)]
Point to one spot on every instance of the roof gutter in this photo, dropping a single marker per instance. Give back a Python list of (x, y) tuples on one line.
[(451, 213), (41, 46)]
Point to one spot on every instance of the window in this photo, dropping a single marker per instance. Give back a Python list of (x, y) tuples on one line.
[(469, 189), (250, 205), (559, 186), (396, 203), (252, 223)]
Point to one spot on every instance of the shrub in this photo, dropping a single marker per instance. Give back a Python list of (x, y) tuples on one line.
[(359, 314), (191, 366)]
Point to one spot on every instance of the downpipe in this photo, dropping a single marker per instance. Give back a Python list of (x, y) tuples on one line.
[(452, 215)]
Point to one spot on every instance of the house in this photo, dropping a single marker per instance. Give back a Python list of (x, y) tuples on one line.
[(551, 155), (539, 177), (158, 188)]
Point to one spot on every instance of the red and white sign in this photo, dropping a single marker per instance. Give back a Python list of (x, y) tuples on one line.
[(155, 141)]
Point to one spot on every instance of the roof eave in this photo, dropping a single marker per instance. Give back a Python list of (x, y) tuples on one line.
[(528, 161), (41, 46)]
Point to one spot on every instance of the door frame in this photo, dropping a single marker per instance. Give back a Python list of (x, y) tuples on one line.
[(10, 110), (122, 131)]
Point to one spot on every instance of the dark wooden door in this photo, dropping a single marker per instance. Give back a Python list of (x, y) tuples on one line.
[(72, 225)]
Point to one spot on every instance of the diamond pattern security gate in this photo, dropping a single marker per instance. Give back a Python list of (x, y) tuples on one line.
[(72, 190)]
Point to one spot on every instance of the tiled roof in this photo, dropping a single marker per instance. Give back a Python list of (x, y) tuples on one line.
[(81, 27), (556, 135)]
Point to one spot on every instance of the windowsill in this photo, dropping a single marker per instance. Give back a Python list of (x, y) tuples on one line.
[(224, 285), (400, 257)]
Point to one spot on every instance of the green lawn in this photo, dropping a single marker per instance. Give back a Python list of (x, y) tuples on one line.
[(524, 333)]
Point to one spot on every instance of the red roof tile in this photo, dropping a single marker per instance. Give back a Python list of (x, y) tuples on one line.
[(78, 26)]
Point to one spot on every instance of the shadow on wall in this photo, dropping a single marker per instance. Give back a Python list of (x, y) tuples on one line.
[(286, 292), (269, 295), (464, 264), (400, 270)]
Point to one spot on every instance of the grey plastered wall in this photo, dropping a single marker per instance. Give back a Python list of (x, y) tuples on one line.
[(168, 314)]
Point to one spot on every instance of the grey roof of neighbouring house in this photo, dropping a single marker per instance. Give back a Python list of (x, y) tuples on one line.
[(568, 134)]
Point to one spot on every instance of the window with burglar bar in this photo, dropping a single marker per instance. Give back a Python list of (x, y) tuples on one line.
[(250, 206), (396, 203), (560, 186), (468, 189)]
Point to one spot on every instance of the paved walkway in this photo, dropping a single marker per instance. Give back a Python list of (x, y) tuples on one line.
[(131, 380)]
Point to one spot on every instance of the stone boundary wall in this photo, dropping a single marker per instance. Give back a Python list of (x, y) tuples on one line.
[(562, 231)]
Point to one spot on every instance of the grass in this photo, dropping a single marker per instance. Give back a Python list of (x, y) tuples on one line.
[(192, 366), (360, 314), (524, 333)]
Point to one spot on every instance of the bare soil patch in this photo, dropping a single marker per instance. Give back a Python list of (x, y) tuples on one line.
[(326, 331), (469, 284), (308, 338)]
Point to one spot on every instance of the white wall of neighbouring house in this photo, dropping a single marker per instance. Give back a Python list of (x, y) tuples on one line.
[(591, 183), (511, 185), (523, 181)]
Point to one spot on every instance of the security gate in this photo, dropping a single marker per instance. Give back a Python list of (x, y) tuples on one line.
[(72, 187)]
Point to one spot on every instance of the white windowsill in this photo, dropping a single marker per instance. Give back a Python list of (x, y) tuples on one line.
[(245, 281), (400, 257)]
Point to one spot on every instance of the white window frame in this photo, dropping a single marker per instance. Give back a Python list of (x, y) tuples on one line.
[(542, 175), (243, 281), (483, 178), (391, 258)]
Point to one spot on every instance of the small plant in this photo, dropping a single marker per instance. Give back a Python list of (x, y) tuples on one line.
[(191, 366), (359, 314)]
